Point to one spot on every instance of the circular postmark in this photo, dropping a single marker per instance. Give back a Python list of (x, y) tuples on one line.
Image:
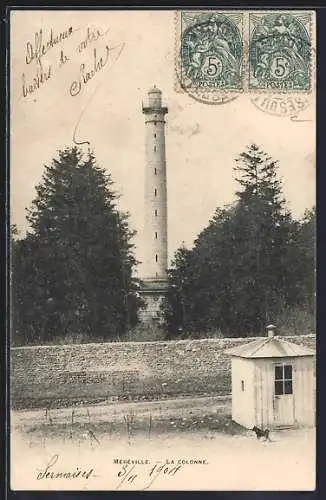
[(209, 62), (205, 97), (281, 105), (202, 94)]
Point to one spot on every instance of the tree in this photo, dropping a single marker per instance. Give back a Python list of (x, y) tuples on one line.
[(174, 306), (265, 237), (197, 299), (72, 273), (305, 241), (243, 270)]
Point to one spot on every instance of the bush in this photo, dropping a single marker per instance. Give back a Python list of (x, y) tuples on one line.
[(296, 321), (144, 333)]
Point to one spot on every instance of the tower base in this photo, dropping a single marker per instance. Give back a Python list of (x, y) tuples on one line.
[(152, 291)]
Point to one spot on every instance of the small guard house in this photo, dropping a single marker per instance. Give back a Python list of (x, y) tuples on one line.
[(273, 383)]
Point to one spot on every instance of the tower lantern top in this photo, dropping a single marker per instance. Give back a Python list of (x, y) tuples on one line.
[(153, 103), (154, 90), (155, 97)]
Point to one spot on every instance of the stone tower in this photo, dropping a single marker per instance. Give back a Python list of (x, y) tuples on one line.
[(155, 224)]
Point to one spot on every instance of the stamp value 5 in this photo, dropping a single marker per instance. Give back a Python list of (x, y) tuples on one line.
[(211, 50), (280, 51)]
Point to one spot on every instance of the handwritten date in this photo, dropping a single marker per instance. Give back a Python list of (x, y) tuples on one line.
[(129, 474)]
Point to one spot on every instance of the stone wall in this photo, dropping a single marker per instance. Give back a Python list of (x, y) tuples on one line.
[(56, 375)]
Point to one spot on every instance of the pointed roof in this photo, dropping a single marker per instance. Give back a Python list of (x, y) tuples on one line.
[(154, 90), (270, 347)]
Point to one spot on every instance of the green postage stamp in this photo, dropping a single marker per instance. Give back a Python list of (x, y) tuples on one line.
[(211, 50), (280, 51), (244, 51)]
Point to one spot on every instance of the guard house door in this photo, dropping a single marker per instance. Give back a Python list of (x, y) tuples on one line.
[(283, 394)]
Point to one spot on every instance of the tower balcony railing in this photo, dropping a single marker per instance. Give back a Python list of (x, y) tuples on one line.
[(154, 107)]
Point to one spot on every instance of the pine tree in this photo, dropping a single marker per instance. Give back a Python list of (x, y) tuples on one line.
[(265, 235), (72, 274)]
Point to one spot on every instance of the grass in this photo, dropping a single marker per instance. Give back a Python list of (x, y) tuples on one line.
[(127, 420)]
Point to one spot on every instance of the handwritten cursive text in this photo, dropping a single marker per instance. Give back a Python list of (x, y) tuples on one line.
[(39, 47), (92, 36), (87, 73), (48, 473), (39, 79), (130, 474)]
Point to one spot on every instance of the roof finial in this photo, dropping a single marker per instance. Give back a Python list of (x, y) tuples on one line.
[(270, 330), (154, 90)]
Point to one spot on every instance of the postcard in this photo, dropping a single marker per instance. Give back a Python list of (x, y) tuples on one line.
[(162, 211)]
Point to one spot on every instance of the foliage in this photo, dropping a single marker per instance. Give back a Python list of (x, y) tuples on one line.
[(250, 264), (72, 272), (151, 332)]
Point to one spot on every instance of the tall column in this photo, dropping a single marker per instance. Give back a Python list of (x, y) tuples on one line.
[(155, 187), (155, 222)]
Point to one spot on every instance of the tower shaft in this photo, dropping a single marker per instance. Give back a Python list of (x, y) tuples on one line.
[(155, 221)]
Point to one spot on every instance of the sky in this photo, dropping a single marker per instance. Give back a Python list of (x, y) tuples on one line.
[(202, 140)]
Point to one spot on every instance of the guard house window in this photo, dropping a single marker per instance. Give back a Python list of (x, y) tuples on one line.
[(154, 149), (283, 380), (242, 385), (155, 171), (155, 235), (155, 192), (155, 213), (156, 258), (154, 136)]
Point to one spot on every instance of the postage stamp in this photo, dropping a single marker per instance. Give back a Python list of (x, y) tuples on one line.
[(210, 51), (280, 51)]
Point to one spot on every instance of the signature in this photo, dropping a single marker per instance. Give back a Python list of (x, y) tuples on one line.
[(98, 63), (49, 473)]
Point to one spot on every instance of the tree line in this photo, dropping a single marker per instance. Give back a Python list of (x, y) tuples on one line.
[(253, 264), (72, 274)]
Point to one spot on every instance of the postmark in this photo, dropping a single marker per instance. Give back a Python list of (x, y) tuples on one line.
[(202, 95), (209, 55), (280, 51), (281, 105), (205, 97)]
